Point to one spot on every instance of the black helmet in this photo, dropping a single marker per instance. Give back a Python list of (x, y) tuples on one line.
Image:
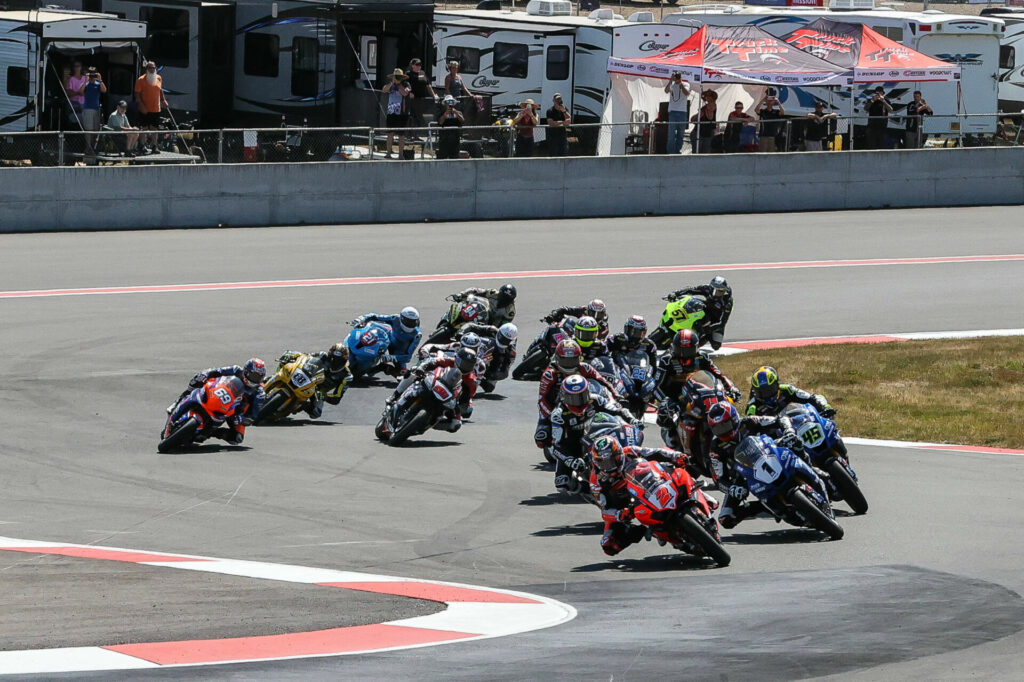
[(635, 328), (720, 288), (684, 346), (337, 356), (506, 294), (465, 360)]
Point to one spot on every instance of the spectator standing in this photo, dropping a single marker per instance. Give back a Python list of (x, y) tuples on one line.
[(149, 93), (706, 122), (525, 122), (451, 124), (558, 120), (74, 85), (398, 109), (421, 91), (816, 129), (678, 112), (916, 111), (771, 112), (119, 121), (92, 93), (453, 83), (734, 127), (878, 109)]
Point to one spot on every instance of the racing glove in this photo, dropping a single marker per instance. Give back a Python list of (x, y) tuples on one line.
[(791, 441), (198, 380), (828, 412), (738, 492), (667, 415)]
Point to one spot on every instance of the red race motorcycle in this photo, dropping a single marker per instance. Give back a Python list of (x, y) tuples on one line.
[(200, 411), (671, 504)]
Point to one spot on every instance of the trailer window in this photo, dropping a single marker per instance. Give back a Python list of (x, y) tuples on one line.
[(558, 63), (511, 60), (1007, 58), (890, 32), (168, 35), (467, 57), (261, 54), (305, 66), (17, 81)]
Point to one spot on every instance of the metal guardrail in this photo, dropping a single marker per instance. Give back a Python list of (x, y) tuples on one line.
[(501, 140)]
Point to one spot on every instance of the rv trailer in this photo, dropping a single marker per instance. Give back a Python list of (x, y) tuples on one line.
[(38, 43), (1011, 58), (512, 56), (969, 41)]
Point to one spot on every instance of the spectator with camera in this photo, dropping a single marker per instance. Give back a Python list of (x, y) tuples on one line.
[(705, 123), (737, 119), (451, 123), (398, 92), (678, 91), (525, 122), (916, 111), (92, 91), (558, 120), (878, 109), (119, 121), (149, 91), (771, 112), (816, 128)]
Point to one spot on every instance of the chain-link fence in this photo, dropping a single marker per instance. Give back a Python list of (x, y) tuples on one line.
[(741, 134)]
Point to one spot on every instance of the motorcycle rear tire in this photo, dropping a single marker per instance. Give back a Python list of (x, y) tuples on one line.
[(271, 407), (852, 493), (694, 531), (417, 424), (531, 367), (180, 437), (814, 516)]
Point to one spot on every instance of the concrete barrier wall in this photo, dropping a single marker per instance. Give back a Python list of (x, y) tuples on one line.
[(87, 198)]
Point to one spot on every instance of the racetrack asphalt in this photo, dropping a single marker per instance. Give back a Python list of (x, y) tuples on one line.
[(925, 586)]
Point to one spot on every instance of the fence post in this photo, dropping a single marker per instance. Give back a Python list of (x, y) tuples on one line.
[(789, 133), (60, 148), (650, 137), (220, 146), (370, 143)]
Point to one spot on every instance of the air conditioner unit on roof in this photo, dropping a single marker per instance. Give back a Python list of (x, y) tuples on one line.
[(603, 14), (549, 8), (851, 5), (642, 17)]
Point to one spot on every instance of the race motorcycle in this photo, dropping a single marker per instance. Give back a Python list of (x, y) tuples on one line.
[(606, 367), (200, 411), (460, 313), (687, 312), (637, 376), (787, 486), (824, 448), (539, 353), (672, 505), (423, 405), (700, 459), (367, 348), (291, 387)]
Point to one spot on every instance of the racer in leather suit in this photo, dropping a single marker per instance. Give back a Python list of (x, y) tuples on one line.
[(252, 375), (336, 377), (566, 362), (502, 308), (768, 396)]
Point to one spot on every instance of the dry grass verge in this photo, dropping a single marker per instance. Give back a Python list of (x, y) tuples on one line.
[(967, 391)]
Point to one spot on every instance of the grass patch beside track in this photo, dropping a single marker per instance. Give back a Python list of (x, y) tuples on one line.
[(965, 391)]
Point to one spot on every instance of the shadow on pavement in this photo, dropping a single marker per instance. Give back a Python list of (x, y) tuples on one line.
[(430, 444), (784, 536), (298, 422), (594, 528), (552, 498), (649, 564), (208, 449)]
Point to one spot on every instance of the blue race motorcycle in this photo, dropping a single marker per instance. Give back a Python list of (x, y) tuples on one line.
[(826, 451), (367, 348), (786, 485), (637, 375)]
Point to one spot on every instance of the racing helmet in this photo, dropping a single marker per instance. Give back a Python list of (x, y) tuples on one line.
[(576, 394), (764, 384), (684, 346), (719, 287), (723, 420), (506, 295), (337, 356), (470, 340), (409, 319), (635, 328), (507, 335), (598, 310), (607, 455), (568, 356), (585, 330), (465, 360), (253, 373)]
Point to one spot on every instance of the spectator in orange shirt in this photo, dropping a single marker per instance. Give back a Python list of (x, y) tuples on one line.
[(149, 91)]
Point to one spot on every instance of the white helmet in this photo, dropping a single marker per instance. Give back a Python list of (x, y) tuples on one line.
[(409, 319), (507, 335), (470, 340)]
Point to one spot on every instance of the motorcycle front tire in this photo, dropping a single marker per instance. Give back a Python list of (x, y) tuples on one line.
[(852, 493), (271, 407), (180, 437), (443, 334), (531, 366), (696, 533), (417, 424), (814, 516)]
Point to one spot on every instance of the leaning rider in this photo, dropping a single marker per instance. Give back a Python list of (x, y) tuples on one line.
[(336, 376), (405, 334), (502, 302), (768, 396), (252, 374), (717, 308)]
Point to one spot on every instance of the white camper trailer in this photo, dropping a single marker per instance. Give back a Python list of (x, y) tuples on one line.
[(512, 56), (1011, 58), (38, 43), (971, 42)]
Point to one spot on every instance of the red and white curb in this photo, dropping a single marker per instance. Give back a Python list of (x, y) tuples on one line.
[(471, 613), (516, 274)]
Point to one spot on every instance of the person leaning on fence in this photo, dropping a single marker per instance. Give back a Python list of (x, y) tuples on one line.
[(450, 122), (93, 91), (118, 121), (704, 131), (558, 120), (737, 119), (816, 128), (771, 112), (398, 109), (525, 122), (916, 111), (678, 91), (149, 93), (878, 109)]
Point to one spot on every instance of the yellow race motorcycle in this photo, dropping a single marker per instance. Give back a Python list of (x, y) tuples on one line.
[(297, 379)]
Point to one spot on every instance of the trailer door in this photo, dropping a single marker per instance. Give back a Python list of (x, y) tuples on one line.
[(978, 57), (558, 71)]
